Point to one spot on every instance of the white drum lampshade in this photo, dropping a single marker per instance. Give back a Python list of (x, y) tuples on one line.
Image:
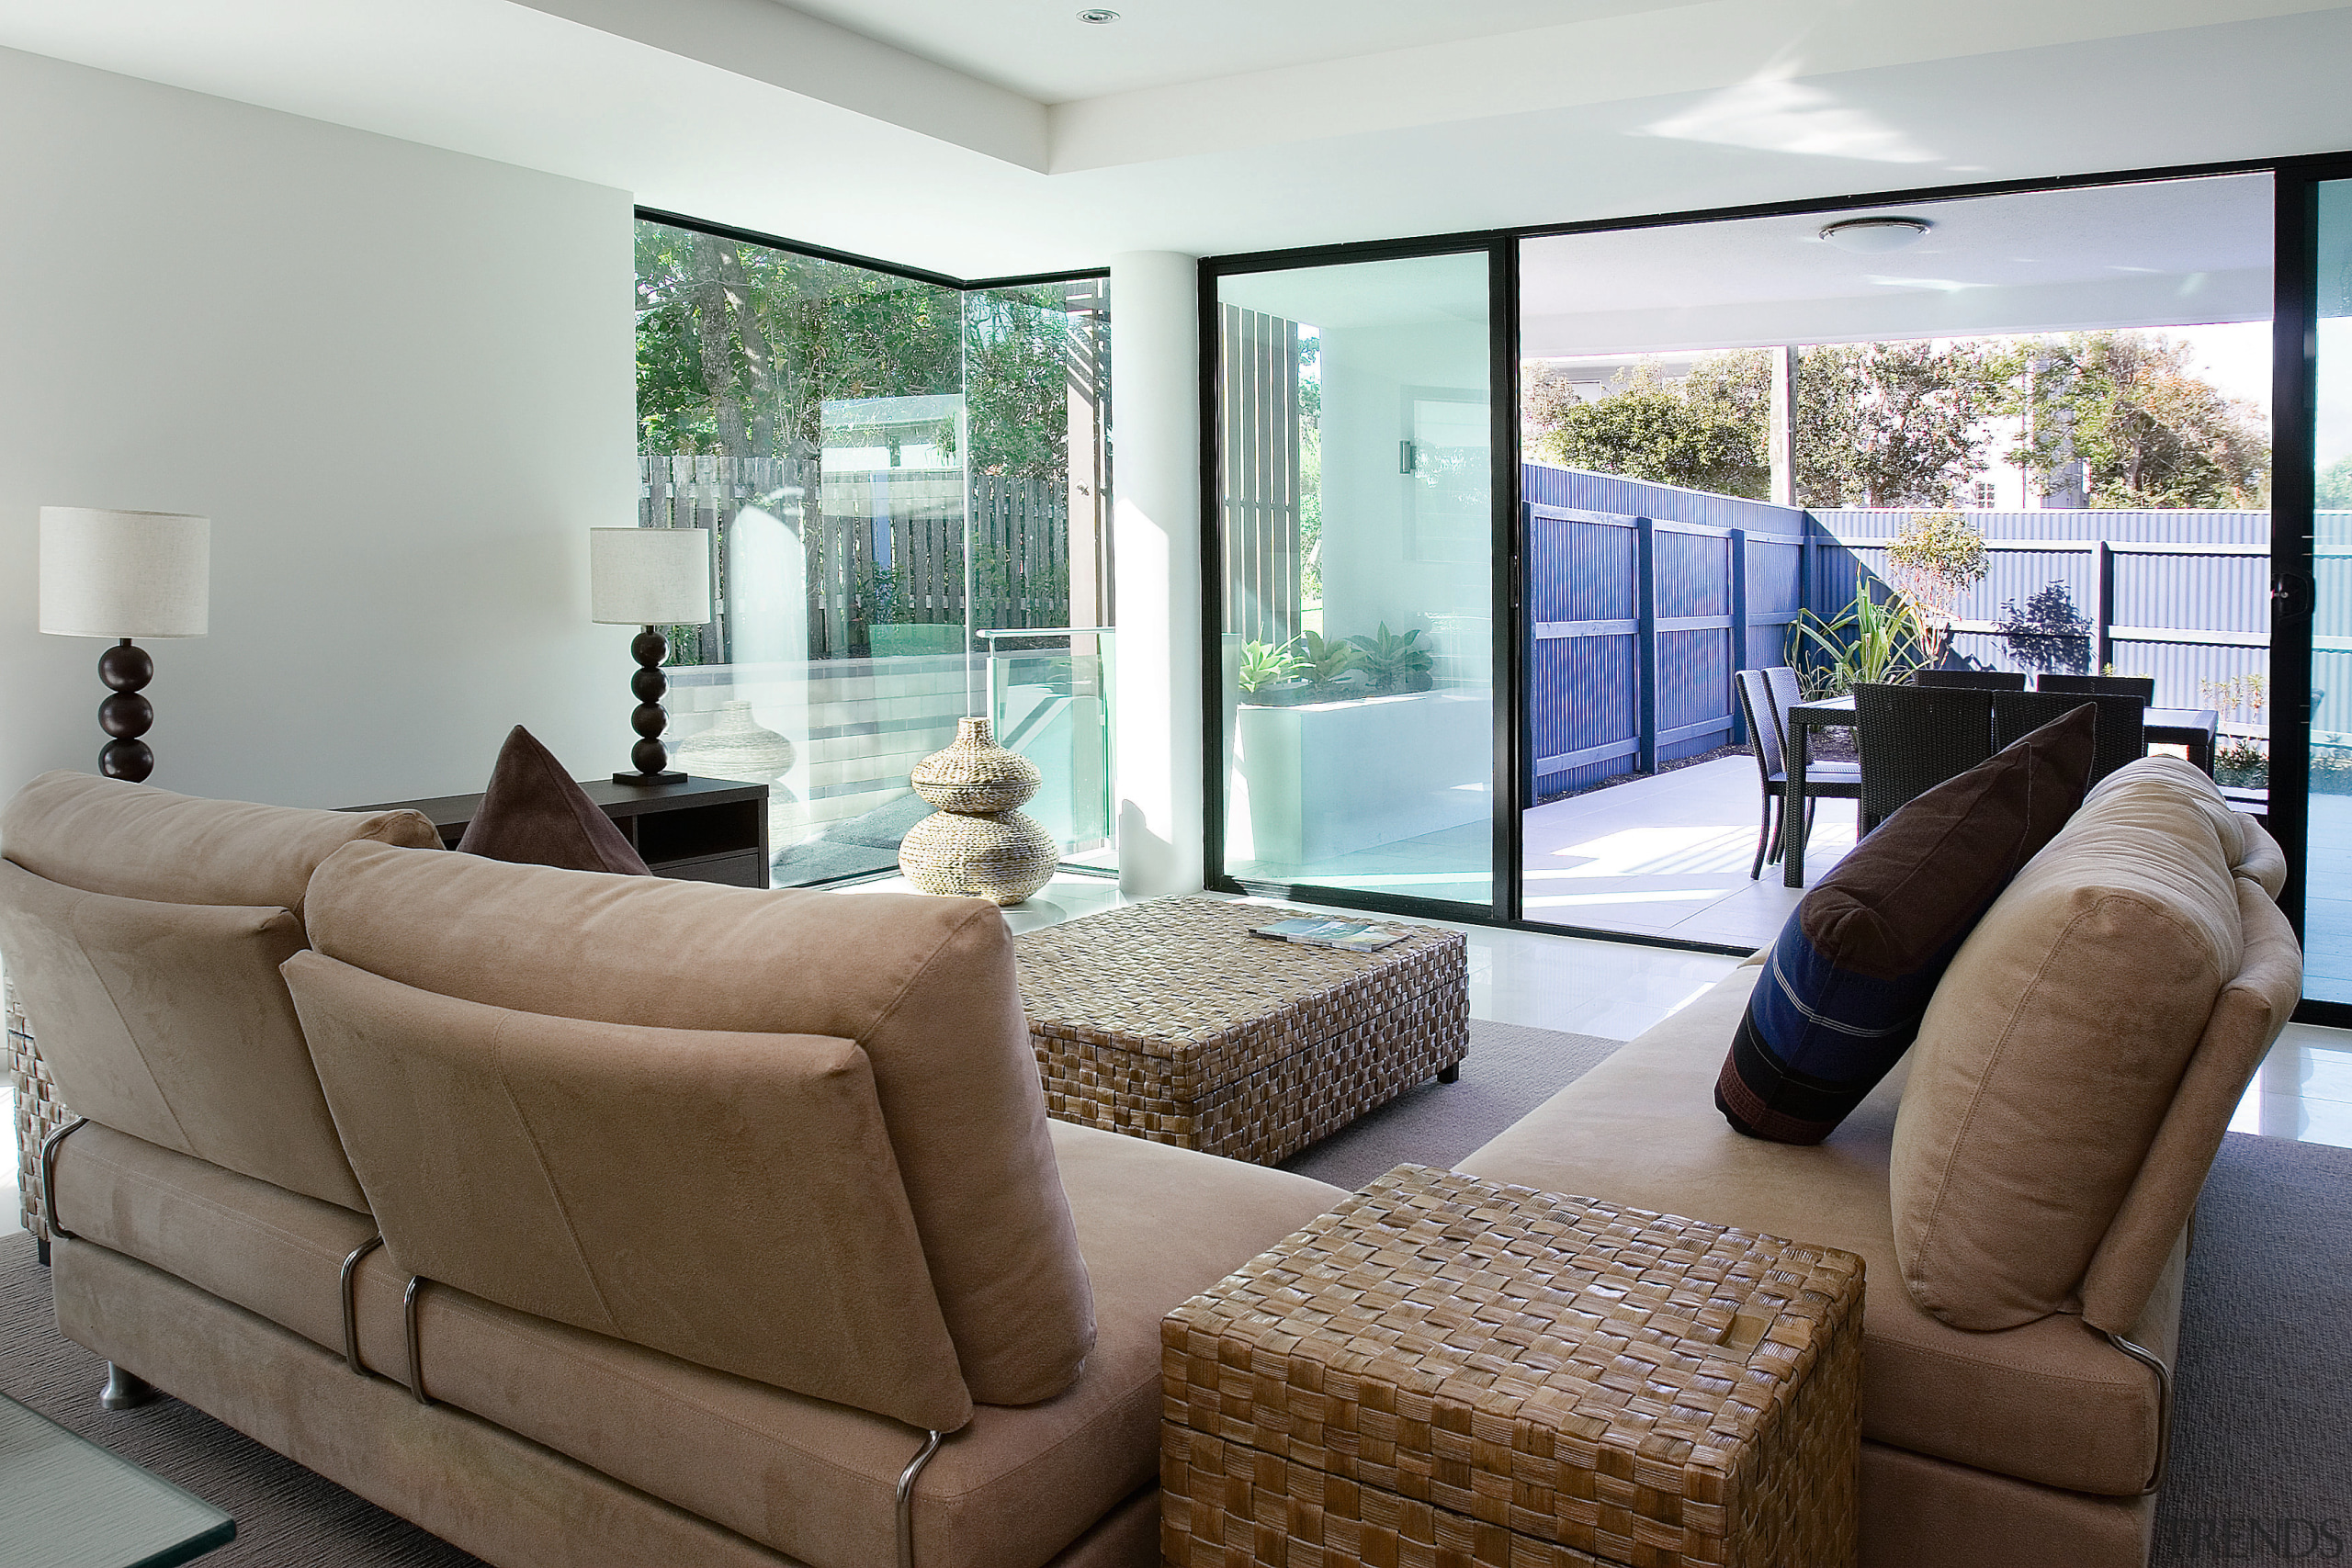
[(650, 578), (125, 575)]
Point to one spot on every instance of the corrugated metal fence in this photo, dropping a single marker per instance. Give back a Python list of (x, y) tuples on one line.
[(1642, 599)]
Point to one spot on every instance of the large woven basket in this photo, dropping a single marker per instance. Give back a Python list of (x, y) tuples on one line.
[(1168, 1021), (1448, 1370), (39, 1112)]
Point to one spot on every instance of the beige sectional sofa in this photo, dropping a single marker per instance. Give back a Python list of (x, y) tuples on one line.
[(587, 1219), (2038, 1444), (723, 1200)]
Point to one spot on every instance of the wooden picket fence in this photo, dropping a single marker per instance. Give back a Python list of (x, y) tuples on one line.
[(885, 547)]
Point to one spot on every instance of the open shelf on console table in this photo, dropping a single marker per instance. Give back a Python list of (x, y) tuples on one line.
[(696, 830)]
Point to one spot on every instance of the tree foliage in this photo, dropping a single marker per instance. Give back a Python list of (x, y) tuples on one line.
[(1910, 424), (1645, 429), (1888, 424), (740, 346), (1935, 561), (2148, 431)]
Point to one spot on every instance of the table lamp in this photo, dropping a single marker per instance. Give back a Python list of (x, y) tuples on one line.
[(124, 575), (650, 578)]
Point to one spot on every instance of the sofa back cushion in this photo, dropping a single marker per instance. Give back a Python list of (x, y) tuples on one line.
[(925, 987), (134, 841), (2052, 1051), (143, 930), (728, 1198), (2247, 1020)]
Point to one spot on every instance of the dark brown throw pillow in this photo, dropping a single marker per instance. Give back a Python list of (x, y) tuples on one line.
[(533, 814), (1851, 973)]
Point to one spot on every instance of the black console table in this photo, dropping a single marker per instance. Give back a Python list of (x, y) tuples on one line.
[(696, 830)]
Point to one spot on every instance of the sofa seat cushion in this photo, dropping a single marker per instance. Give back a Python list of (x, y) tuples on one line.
[(2050, 1402), (270, 1251), (815, 1481)]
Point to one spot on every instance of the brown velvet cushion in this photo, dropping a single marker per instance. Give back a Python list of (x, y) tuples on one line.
[(2053, 1049), (925, 986), (533, 814), (1852, 971)]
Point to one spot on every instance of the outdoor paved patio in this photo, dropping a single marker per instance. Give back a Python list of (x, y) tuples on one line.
[(1668, 856)]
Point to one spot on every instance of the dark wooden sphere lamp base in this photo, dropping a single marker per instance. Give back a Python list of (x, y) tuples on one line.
[(127, 715), (648, 685)]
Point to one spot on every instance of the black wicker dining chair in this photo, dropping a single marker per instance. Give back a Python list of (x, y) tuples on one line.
[(2140, 686), (2121, 735), (1823, 781), (1972, 679), (1914, 737)]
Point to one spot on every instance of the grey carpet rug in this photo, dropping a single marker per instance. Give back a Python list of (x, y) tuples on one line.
[(1510, 1070), (2262, 1454), (2262, 1448), (286, 1517)]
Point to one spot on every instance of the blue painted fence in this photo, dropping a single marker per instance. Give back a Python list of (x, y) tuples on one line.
[(1645, 598), (1642, 600)]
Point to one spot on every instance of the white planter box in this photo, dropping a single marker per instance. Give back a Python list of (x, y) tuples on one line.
[(1314, 783)]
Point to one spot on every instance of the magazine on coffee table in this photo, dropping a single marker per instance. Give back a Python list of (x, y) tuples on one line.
[(1347, 936)]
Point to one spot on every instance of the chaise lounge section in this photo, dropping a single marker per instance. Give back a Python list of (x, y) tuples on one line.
[(2041, 1443)]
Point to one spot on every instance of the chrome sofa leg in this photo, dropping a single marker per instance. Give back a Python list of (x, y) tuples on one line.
[(931, 1441), (124, 1390), (2150, 1360)]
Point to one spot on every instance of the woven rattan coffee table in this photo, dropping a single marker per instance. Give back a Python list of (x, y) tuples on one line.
[(1168, 1020), (1447, 1372)]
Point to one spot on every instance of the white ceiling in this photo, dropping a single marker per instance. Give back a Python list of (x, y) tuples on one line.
[(968, 159), (1040, 49), (2174, 253)]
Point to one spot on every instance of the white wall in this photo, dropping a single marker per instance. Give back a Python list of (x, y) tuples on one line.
[(1156, 563), (399, 380), (1369, 574)]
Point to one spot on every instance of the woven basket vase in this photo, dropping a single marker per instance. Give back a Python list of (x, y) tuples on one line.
[(977, 843)]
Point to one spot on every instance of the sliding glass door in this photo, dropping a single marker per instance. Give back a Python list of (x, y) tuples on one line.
[(2327, 867), (1353, 579)]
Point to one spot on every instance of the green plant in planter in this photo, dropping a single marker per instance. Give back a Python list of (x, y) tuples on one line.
[(1322, 660), (1868, 642), (1395, 663), (1265, 664)]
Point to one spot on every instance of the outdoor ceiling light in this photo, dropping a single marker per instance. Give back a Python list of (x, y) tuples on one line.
[(1875, 236), (1098, 18)]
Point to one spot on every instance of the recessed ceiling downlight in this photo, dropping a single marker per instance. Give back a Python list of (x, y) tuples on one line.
[(1875, 236), (1099, 18)]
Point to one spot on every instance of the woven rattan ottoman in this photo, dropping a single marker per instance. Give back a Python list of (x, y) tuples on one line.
[(1168, 1020), (1444, 1372)]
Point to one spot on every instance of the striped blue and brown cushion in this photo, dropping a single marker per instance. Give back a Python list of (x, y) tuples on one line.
[(1850, 974)]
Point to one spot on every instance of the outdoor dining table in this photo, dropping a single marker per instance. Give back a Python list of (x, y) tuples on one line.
[(2192, 728)]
